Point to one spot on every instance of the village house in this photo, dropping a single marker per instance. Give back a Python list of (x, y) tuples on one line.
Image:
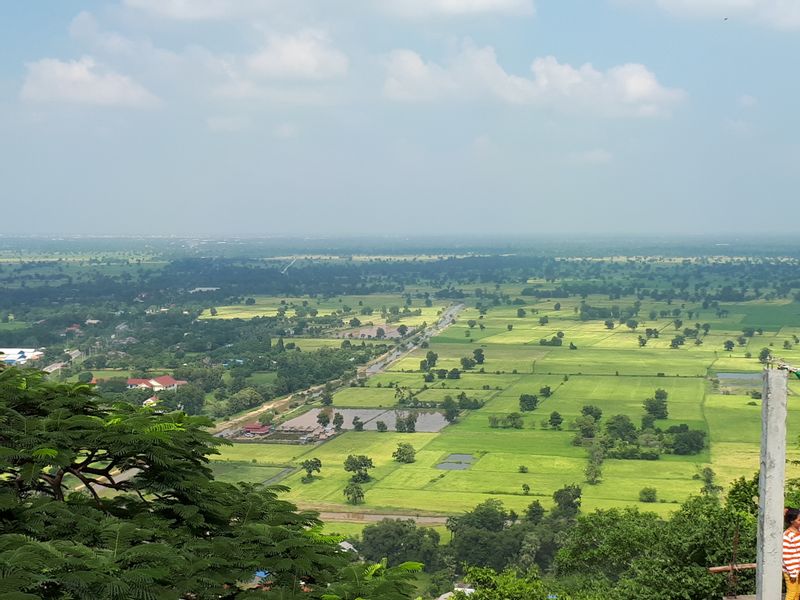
[(157, 384), (255, 429)]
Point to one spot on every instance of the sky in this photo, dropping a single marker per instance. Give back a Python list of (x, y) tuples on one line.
[(399, 117)]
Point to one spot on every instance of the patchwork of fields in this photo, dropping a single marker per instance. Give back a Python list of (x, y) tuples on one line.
[(607, 368)]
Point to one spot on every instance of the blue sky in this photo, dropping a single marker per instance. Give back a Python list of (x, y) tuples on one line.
[(404, 117)]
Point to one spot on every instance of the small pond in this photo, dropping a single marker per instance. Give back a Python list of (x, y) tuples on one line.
[(467, 458), (453, 466), (456, 462)]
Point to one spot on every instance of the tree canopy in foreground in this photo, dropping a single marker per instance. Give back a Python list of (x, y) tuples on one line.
[(109, 501)]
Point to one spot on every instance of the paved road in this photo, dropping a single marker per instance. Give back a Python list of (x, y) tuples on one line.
[(387, 360)]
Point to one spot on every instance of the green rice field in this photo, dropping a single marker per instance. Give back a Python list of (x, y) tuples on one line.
[(606, 368)]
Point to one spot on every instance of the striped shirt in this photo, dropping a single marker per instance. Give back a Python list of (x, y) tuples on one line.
[(791, 551)]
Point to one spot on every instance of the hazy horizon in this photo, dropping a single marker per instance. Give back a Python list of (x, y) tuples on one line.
[(273, 118)]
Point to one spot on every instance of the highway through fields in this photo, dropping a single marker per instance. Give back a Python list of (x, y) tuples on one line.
[(379, 365)]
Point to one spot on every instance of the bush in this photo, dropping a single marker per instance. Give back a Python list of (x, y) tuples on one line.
[(648, 494)]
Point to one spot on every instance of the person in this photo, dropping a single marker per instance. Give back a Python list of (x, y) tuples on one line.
[(791, 553)]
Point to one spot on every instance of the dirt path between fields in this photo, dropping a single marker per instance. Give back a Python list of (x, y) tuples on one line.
[(357, 517)]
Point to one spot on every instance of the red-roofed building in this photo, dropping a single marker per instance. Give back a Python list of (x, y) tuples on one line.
[(256, 429), (157, 384)]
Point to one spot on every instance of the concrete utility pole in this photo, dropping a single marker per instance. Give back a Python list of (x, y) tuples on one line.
[(770, 485)]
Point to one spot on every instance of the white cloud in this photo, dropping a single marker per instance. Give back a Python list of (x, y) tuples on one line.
[(83, 82), (288, 68), (780, 14), (425, 8), (206, 10), (299, 68), (308, 54), (202, 10), (474, 73), (597, 156), (409, 78), (86, 30)]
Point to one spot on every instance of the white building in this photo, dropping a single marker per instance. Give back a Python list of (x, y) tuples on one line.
[(19, 356)]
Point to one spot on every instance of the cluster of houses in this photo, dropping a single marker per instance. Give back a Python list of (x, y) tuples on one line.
[(75, 328), (156, 384)]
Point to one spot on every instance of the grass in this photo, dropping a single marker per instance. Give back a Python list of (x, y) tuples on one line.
[(262, 377), (365, 398), (265, 454), (235, 472)]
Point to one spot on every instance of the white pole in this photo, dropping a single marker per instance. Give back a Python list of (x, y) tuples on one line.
[(770, 485)]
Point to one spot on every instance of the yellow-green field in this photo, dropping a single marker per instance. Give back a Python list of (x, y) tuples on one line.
[(347, 307)]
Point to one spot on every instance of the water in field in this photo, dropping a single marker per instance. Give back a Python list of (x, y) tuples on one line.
[(456, 462), (453, 466), (467, 458), (427, 421)]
